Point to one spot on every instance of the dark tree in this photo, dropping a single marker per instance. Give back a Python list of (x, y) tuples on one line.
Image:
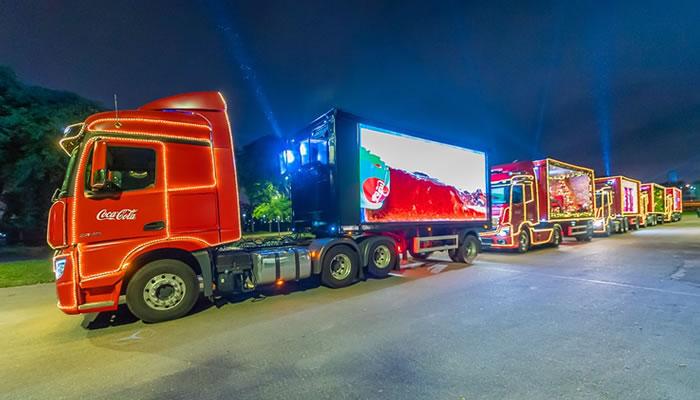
[(31, 123)]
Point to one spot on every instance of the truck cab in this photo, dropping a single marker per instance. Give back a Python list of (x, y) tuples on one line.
[(143, 185)]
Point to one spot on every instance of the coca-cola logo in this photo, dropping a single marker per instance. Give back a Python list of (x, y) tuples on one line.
[(125, 214), (375, 190)]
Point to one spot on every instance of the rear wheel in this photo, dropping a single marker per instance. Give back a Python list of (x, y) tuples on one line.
[(340, 266), (467, 251), (382, 257), (608, 229), (523, 241), (162, 290), (635, 225)]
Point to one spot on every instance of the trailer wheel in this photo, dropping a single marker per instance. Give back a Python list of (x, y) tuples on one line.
[(467, 251), (625, 225), (162, 290), (340, 267), (608, 229), (382, 257), (635, 226), (523, 241), (556, 237)]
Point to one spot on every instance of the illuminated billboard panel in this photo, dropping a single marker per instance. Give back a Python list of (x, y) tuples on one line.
[(630, 198), (570, 191), (407, 179)]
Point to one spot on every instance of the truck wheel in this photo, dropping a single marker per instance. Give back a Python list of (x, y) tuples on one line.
[(467, 251), (556, 237), (523, 241), (382, 258), (452, 253), (608, 229), (340, 266), (635, 226), (162, 290), (625, 225)]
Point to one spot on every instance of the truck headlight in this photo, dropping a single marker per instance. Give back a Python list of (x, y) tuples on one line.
[(59, 266)]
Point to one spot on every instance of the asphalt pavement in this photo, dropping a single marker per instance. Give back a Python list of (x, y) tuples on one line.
[(617, 318)]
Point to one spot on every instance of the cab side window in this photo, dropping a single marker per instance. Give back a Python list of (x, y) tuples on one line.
[(131, 168)]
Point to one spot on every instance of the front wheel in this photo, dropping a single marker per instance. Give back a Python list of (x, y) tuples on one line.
[(556, 237), (340, 266), (523, 242), (162, 290)]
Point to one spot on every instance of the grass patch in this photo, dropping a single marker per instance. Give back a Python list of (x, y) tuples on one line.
[(25, 272)]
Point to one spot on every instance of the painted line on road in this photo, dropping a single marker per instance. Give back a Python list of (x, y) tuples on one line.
[(599, 282)]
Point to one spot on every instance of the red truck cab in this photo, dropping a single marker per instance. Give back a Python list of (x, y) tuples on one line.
[(539, 202), (140, 184)]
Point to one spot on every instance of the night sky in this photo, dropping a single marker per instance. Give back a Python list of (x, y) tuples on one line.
[(578, 81)]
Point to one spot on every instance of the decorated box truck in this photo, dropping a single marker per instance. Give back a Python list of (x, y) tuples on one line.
[(673, 204), (149, 208), (618, 206), (656, 203), (538, 203)]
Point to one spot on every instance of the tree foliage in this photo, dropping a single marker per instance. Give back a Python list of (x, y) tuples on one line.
[(271, 204), (31, 122)]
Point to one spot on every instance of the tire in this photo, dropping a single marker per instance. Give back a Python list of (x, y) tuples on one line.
[(635, 226), (625, 225), (340, 267), (382, 257), (556, 237), (162, 290), (453, 255), (468, 250), (608, 229), (523, 242)]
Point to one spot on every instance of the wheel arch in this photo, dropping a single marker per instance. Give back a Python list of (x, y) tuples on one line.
[(176, 250)]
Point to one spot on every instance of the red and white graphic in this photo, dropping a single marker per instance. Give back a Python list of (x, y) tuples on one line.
[(125, 214)]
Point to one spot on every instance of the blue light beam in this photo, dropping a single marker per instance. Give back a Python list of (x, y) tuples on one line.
[(236, 50)]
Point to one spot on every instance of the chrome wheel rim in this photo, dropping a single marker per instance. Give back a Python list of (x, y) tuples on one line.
[(471, 251), (340, 267), (164, 291), (381, 256)]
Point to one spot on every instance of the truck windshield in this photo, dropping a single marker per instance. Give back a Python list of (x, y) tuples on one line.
[(66, 185), (500, 194)]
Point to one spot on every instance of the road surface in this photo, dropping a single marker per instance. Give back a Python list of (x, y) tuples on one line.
[(616, 318)]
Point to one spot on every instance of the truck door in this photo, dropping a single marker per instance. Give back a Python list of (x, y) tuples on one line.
[(517, 205), (129, 211)]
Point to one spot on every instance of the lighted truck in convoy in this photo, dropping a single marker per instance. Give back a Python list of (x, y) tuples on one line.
[(618, 206), (149, 208), (539, 203), (656, 203), (673, 204)]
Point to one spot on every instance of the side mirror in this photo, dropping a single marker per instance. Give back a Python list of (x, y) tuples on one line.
[(98, 179)]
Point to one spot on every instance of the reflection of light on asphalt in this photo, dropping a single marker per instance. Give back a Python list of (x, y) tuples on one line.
[(437, 268), (668, 232)]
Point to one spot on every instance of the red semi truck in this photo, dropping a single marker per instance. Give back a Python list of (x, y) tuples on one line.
[(673, 205), (149, 208), (539, 202), (618, 206), (655, 203)]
